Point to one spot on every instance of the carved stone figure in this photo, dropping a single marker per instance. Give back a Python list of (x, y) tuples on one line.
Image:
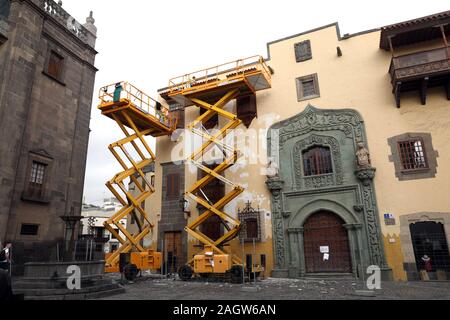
[(273, 169), (363, 157)]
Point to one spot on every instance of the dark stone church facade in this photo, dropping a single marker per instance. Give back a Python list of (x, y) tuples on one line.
[(47, 76)]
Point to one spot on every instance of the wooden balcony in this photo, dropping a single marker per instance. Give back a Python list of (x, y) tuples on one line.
[(420, 71)]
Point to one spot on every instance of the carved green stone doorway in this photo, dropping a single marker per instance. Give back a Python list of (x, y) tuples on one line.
[(328, 140)]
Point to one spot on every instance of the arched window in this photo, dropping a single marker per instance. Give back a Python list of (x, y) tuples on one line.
[(317, 161)]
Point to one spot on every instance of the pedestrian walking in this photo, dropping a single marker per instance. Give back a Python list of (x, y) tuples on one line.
[(427, 265), (6, 257)]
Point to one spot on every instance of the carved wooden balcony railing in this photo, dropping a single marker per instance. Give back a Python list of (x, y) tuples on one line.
[(420, 65), (418, 71)]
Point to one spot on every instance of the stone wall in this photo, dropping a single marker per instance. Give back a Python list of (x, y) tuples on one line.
[(172, 217), (42, 118)]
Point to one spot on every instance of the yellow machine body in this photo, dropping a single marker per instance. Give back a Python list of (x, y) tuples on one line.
[(138, 116), (219, 263)]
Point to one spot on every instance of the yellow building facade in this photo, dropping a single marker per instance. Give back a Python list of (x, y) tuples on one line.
[(346, 158)]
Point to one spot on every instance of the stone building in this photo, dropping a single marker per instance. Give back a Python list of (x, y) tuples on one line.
[(355, 129), (93, 225), (47, 77)]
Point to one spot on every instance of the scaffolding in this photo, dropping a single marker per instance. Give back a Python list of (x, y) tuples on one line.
[(211, 90), (138, 116)]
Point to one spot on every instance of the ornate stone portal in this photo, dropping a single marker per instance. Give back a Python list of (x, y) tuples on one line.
[(347, 192)]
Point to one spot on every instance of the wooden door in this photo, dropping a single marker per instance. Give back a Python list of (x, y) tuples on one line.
[(327, 247), (173, 251)]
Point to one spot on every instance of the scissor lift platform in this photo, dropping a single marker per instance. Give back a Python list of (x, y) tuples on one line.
[(247, 75), (211, 90), (138, 116), (143, 120), (139, 107)]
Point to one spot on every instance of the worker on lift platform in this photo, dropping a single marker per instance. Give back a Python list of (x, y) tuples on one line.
[(162, 114), (118, 92)]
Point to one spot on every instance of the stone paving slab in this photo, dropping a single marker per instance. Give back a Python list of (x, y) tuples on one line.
[(281, 289)]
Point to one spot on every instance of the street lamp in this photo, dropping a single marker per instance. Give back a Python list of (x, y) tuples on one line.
[(184, 206)]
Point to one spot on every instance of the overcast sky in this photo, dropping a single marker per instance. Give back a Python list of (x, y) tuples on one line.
[(149, 42)]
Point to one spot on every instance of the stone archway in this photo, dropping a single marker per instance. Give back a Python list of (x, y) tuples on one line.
[(350, 231), (326, 244)]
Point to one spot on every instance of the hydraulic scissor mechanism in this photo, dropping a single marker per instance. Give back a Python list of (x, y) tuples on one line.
[(196, 193), (212, 90), (138, 116)]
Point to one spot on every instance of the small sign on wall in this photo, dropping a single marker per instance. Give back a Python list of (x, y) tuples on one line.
[(389, 219), (324, 249)]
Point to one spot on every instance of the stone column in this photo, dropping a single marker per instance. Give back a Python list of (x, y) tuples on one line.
[(71, 222), (294, 265), (372, 221), (353, 237), (301, 245), (275, 185)]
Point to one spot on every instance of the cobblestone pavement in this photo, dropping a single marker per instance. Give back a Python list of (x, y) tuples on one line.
[(280, 289)]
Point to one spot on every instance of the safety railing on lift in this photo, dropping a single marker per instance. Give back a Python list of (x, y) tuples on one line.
[(123, 90), (219, 75)]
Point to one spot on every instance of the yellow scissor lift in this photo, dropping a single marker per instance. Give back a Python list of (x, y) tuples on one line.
[(212, 89), (138, 116)]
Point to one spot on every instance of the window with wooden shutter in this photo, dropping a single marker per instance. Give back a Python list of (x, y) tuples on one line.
[(252, 228), (55, 65), (308, 87), (247, 109), (252, 224), (39, 168), (317, 161), (303, 51), (173, 186)]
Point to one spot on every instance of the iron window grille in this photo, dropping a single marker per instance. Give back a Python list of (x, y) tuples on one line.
[(413, 155)]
